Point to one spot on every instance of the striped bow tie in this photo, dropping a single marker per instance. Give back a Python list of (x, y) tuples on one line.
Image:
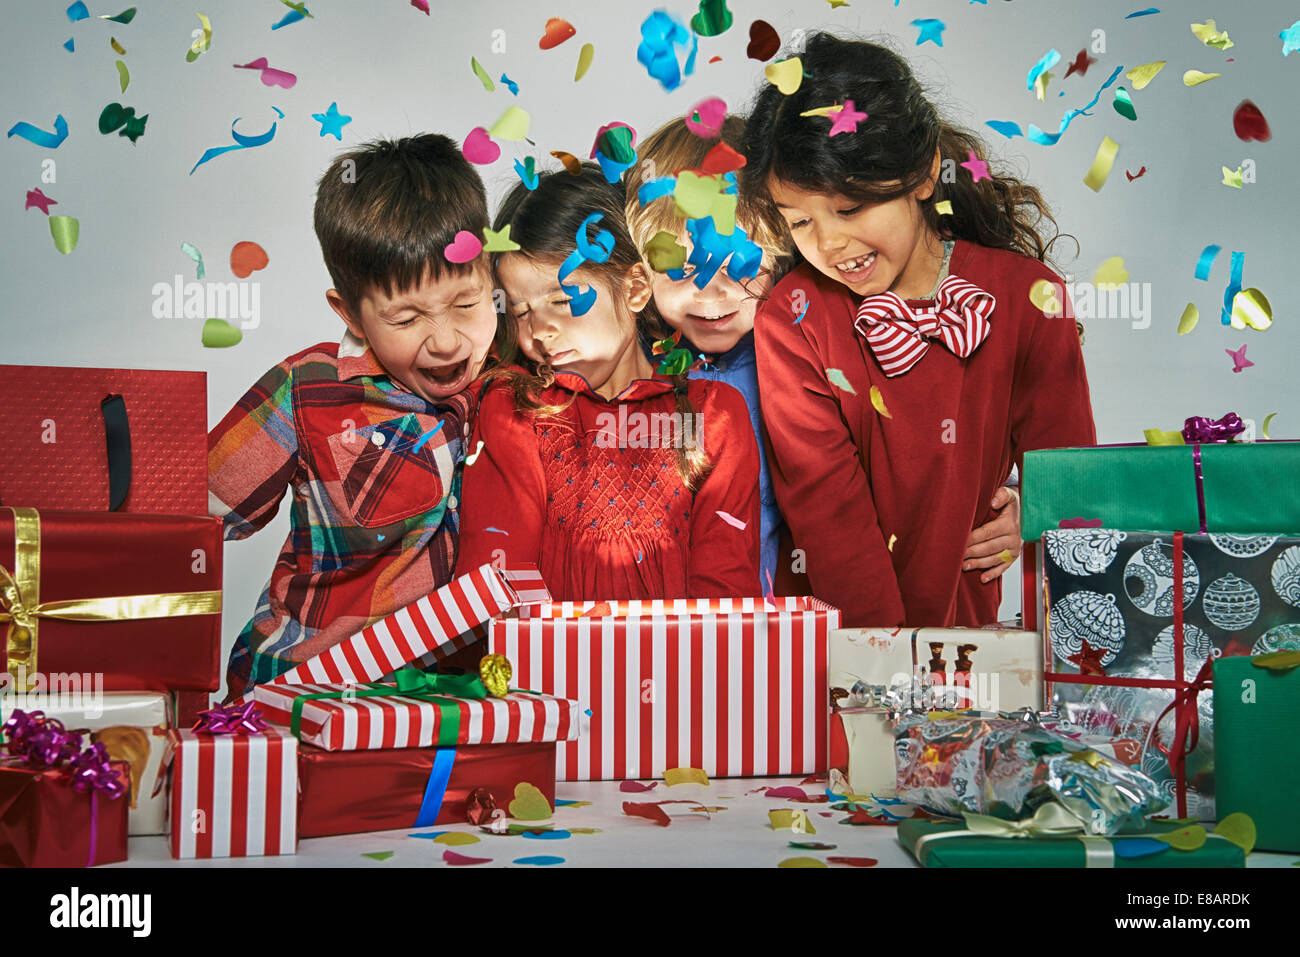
[(898, 334)]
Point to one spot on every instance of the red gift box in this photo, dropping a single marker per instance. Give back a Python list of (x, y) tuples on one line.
[(736, 687), (45, 822), (56, 438), (168, 565), (350, 792)]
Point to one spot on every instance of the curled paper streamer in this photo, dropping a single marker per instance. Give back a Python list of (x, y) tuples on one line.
[(1050, 139), (1205, 262), (192, 251), (40, 137), (241, 142), (1045, 63)]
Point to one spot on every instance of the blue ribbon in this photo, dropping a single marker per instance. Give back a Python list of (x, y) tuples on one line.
[(436, 787)]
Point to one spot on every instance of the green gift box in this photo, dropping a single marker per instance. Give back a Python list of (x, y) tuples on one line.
[(925, 841), (1247, 486), (1257, 749)]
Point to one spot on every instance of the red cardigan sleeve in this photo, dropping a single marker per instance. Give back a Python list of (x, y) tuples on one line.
[(505, 489), (1050, 403), (723, 558), (817, 473)]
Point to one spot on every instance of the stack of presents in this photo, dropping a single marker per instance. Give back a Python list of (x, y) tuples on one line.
[(1150, 692)]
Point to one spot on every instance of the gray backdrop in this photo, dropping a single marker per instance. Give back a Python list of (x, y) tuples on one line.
[(397, 72)]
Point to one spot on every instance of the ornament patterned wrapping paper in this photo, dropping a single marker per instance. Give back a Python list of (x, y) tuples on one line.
[(1114, 589), (352, 724), (734, 686), (875, 669)]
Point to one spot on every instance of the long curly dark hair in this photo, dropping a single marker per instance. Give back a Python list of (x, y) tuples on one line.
[(893, 151)]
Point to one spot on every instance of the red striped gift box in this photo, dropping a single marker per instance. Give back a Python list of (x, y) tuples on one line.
[(233, 795), (736, 686), (364, 723), (451, 618)]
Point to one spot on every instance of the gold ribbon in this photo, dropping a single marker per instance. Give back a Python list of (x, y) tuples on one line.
[(21, 606)]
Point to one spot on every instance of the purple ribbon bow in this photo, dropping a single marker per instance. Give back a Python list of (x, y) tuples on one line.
[(231, 719), (1198, 428)]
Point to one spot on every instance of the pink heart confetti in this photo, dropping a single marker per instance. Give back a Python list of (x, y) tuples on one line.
[(705, 118), (479, 147), (464, 248), (270, 75)]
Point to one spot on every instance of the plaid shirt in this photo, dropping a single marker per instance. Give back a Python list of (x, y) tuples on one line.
[(373, 525)]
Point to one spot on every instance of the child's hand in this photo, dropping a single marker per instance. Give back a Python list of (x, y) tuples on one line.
[(990, 545)]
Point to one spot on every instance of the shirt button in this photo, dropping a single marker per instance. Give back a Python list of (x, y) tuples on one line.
[(465, 431), (452, 502), (377, 438)]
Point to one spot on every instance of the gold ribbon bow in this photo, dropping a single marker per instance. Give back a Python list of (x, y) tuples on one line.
[(21, 606)]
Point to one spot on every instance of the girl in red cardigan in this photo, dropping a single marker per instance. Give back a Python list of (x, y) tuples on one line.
[(907, 366), (617, 482)]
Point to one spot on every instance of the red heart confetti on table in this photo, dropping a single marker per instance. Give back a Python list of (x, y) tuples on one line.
[(1249, 123), (557, 31)]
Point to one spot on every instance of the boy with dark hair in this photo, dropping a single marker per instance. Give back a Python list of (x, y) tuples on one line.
[(368, 433)]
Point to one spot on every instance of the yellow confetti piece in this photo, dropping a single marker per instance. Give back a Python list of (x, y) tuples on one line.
[(123, 75), (1191, 316), (838, 379), (513, 125), (529, 803), (583, 830), (482, 74), (455, 839), (821, 111), (117, 47), (1210, 34), (1196, 77), (200, 44), (1111, 274), (576, 804), (1251, 308), (1144, 74), (785, 75), (1040, 84), (1267, 419), (943, 207), (663, 252), (675, 776), (585, 56), (219, 334), (1185, 838), (1089, 757), (66, 230), (704, 809), (1239, 829), (1163, 437), (1006, 556), (1232, 177), (1046, 296), (878, 402), (1101, 166), (796, 821), (802, 862), (892, 539)]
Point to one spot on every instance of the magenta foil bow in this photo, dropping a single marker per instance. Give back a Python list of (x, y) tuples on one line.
[(40, 741), (1200, 429), (231, 719), (92, 772)]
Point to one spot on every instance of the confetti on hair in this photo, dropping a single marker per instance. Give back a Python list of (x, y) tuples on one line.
[(705, 118), (785, 75), (943, 207), (572, 164), (663, 252), (845, 119), (527, 170), (837, 378), (878, 402), (499, 241)]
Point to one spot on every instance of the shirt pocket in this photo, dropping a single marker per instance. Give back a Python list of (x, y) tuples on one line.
[(386, 480)]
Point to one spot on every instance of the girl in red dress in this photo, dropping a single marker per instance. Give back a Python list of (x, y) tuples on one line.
[(907, 367), (617, 482)]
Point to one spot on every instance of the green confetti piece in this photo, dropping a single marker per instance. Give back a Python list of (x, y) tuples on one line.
[(123, 75), (663, 252), (676, 362), (192, 251), (1124, 104), (513, 125), (714, 18), (840, 381), (65, 230), (219, 334), (375, 855), (482, 74), (616, 143), (126, 16), (1267, 419)]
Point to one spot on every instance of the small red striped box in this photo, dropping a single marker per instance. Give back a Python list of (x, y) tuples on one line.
[(233, 795), (362, 724), (451, 618), (735, 686)]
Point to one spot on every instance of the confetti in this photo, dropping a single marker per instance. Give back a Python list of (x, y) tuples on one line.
[(785, 75), (456, 838), (1196, 77), (1234, 285), (1290, 38), (482, 74), (529, 804), (40, 137), (1239, 360), (1006, 556), (192, 251), (421, 5), (801, 862), (1238, 827), (661, 35), (1210, 34), (585, 56), (1045, 295), (332, 121), (1185, 838), (1111, 274), (241, 142), (799, 318), (846, 119), (38, 200), (66, 230), (1138, 175), (637, 786), (675, 776), (732, 520), (117, 47), (297, 11), (837, 378), (511, 85), (878, 402), (571, 163), (796, 821), (1045, 62), (764, 41), (649, 811), (1101, 166), (943, 207), (379, 855), (977, 167), (892, 540), (126, 16), (1142, 13), (1232, 177), (1124, 104), (853, 861), (1191, 315), (527, 171), (496, 242), (539, 860), (713, 18), (219, 334), (246, 258), (551, 834), (270, 75), (1081, 63), (1050, 139), (705, 117), (1144, 74), (123, 75), (200, 44), (478, 147), (420, 443), (1249, 123), (931, 30), (70, 45), (557, 31), (663, 252), (1250, 307), (116, 115), (1267, 419), (1005, 127), (464, 248), (1205, 261), (77, 12), (460, 860), (1134, 847), (561, 802), (512, 125), (787, 792)]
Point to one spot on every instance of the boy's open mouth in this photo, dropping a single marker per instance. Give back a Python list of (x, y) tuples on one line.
[(447, 375), (714, 317)]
